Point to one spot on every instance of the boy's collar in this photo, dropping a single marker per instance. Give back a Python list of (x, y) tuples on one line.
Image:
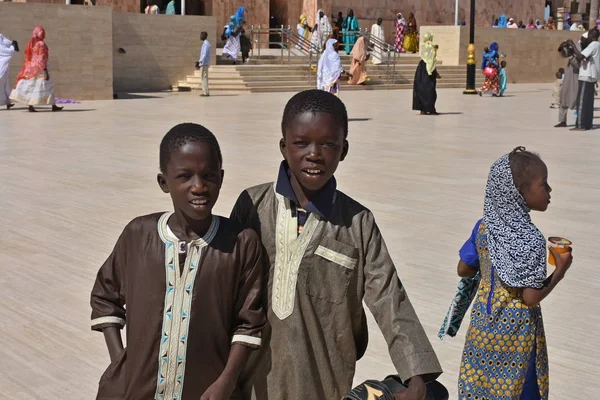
[(321, 203)]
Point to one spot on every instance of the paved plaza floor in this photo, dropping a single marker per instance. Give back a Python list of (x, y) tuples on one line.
[(70, 181)]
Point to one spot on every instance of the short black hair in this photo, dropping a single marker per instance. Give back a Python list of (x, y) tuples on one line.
[(315, 101), (183, 134), (523, 164), (503, 64), (204, 33)]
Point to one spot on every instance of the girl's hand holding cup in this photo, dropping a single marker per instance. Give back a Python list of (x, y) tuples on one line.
[(560, 253)]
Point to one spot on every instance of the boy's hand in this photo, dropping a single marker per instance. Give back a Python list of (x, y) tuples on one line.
[(220, 390), (416, 390)]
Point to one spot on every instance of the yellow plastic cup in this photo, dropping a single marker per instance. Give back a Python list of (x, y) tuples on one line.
[(560, 245)]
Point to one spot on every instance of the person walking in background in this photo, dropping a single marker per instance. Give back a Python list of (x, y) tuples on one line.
[(170, 8), (204, 63), (304, 31), (378, 34), (34, 85), (588, 77), (489, 66), (7, 50), (322, 30), (349, 29), (400, 24), (503, 78), (570, 82), (245, 45), (152, 8), (411, 44), (330, 69), (557, 86), (426, 76), (358, 68), (337, 30)]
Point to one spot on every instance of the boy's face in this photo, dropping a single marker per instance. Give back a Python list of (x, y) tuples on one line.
[(203, 36), (193, 178), (313, 146)]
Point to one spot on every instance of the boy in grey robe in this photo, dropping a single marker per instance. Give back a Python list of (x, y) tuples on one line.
[(325, 256)]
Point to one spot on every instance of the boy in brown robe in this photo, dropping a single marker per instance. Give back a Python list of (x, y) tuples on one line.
[(325, 256), (186, 284)]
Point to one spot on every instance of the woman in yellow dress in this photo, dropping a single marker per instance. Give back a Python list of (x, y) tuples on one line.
[(411, 44)]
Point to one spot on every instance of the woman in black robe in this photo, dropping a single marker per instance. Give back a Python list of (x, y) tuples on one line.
[(426, 76)]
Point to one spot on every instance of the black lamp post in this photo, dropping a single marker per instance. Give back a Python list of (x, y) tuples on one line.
[(471, 54)]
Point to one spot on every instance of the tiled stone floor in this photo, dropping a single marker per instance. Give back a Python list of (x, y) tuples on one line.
[(70, 181)]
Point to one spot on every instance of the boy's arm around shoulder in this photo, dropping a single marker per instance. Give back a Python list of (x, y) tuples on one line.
[(409, 348), (250, 319)]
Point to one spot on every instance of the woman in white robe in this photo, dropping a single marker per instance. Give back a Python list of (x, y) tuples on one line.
[(377, 33), (330, 69), (7, 49)]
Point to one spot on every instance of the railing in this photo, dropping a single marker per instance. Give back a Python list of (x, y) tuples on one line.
[(289, 41)]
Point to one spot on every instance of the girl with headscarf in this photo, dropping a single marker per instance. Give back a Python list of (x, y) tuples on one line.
[(330, 69), (426, 76), (506, 257), (358, 68), (531, 25), (7, 50), (411, 43), (350, 27), (34, 85), (550, 25), (491, 65), (400, 24)]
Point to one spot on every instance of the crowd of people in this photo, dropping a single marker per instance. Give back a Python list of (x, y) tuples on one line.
[(34, 85), (550, 24)]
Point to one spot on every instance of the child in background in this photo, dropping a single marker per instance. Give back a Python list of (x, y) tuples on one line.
[(503, 78), (325, 256), (560, 74), (187, 285), (505, 354)]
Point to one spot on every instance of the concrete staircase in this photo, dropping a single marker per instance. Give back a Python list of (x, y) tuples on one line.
[(267, 74)]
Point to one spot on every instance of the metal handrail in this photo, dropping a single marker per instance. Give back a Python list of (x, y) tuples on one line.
[(288, 40)]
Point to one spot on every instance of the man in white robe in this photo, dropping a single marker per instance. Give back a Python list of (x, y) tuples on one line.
[(7, 49), (324, 30), (378, 43)]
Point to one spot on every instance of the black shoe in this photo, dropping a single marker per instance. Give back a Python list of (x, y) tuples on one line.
[(561, 125)]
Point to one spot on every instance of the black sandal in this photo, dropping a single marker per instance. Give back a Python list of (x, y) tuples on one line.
[(384, 390)]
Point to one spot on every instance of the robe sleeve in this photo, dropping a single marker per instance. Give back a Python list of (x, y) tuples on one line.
[(108, 293), (468, 252), (251, 318), (242, 209), (409, 348)]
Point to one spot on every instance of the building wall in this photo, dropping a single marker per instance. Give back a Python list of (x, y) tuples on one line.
[(160, 49), (79, 41), (531, 55)]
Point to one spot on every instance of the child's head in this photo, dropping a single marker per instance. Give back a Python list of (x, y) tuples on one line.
[(203, 35), (503, 64), (314, 128), (530, 176), (561, 70), (558, 75), (486, 49), (190, 170)]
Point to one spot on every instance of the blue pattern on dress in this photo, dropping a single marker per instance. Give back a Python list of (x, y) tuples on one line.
[(503, 336)]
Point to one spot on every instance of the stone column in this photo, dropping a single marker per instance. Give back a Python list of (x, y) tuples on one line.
[(560, 18)]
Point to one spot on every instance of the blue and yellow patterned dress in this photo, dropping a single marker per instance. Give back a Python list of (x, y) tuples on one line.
[(505, 356)]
